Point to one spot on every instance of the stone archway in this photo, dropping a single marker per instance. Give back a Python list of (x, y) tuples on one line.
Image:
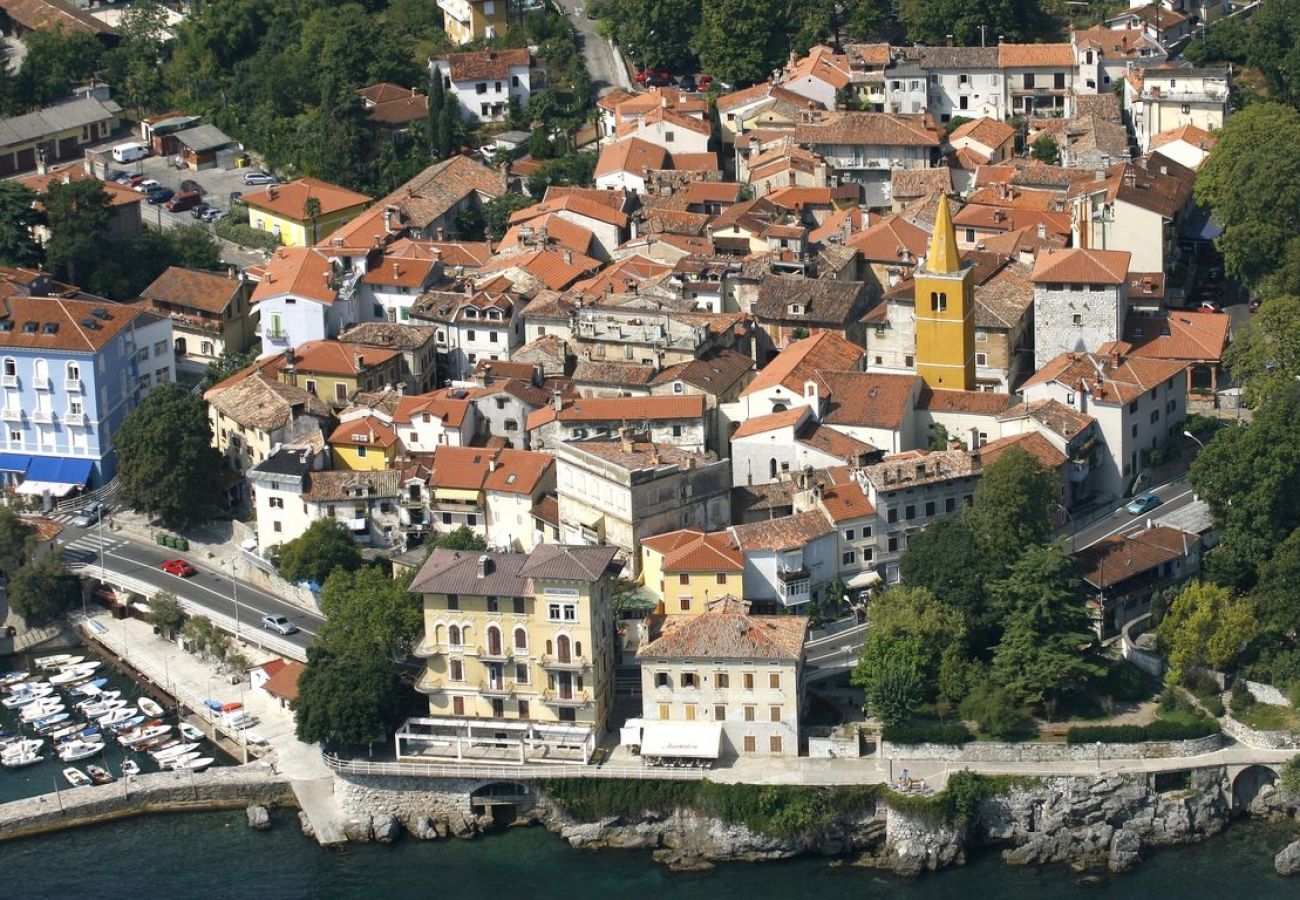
[(502, 800), (1247, 784)]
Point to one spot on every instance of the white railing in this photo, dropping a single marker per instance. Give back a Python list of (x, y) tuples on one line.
[(74, 418), (253, 635), (515, 770), (41, 384), (81, 500), (72, 385), (44, 416), (11, 414)]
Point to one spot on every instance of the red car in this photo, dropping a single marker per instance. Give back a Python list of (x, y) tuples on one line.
[(652, 76), (178, 567), (704, 81)]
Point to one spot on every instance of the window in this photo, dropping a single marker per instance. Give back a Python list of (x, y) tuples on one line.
[(950, 505), (774, 680), (774, 713), (929, 507), (275, 526), (909, 361), (685, 604), (456, 670), (276, 503), (493, 605), (562, 612), (664, 711), (668, 136), (1078, 319), (748, 680), (690, 712), (981, 336), (721, 680), (677, 431), (523, 708), (514, 79), (721, 578), (848, 558), (719, 713), (496, 86), (518, 603), (661, 680), (938, 301), (893, 544), (751, 713), (981, 359), (480, 88), (1027, 80), (891, 515), (1155, 416), (453, 601), (910, 512), (750, 745), (521, 639), (774, 743), (690, 680), (521, 673)]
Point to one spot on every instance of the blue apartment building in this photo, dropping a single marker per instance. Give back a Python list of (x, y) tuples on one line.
[(70, 370)]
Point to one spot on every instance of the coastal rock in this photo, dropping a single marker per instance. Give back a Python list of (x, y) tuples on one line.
[(358, 831), (386, 828), (424, 829), (1287, 862), (1125, 851), (460, 826), (913, 846), (259, 819), (305, 822)]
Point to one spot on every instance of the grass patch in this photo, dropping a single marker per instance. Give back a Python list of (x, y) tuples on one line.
[(1263, 717)]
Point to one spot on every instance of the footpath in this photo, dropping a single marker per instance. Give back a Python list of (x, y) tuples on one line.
[(190, 680)]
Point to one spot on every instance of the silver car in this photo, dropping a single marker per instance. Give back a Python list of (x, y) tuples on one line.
[(89, 515), (279, 624)]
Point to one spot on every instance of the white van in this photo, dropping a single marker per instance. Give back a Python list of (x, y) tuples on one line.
[(130, 152)]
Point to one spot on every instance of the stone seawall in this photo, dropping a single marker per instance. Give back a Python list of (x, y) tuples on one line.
[(1259, 740), (222, 788), (993, 751)]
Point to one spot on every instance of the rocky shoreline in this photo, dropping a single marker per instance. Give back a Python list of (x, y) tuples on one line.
[(1107, 822)]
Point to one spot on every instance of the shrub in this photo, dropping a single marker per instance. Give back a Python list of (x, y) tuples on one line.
[(1291, 775), (1125, 682), (1242, 698), (245, 235), (993, 709), (1159, 730), (927, 733)]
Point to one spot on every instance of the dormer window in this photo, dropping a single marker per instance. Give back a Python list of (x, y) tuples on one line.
[(796, 309)]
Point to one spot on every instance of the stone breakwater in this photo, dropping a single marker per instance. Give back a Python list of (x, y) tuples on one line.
[(1109, 821), (222, 788)]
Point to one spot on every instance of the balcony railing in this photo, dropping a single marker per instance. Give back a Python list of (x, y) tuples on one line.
[(74, 418), (73, 385), (279, 336), (571, 664), (429, 683), (426, 648), (44, 416), (11, 414), (486, 654), (9, 380), (500, 688), (41, 384), (572, 699)]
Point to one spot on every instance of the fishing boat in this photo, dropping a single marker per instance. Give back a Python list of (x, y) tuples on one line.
[(19, 747), (82, 672), (149, 707), (195, 765), (55, 661), (90, 688), (99, 774), (116, 715), (22, 698), (191, 732), (103, 708), (49, 723), (176, 762), (76, 777), (124, 725), (172, 752), (79, 750), (98, 698), (132, 739), (130, 767), (17, 761)]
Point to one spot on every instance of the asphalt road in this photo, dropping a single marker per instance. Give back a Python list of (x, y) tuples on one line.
[(211, 588), (1176, 494), (596, 52)]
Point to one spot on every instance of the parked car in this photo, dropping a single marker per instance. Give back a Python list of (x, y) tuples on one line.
[(191, 185), (259, 178), (686, 83), (89, 515), (199, 209), (145, 185), (280, 624), (159, 195), (213, 214), (1143, 503), (178, 567), (653, 76), (182, 202), (704, 81)]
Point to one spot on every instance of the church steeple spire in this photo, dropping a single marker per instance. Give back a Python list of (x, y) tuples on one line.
[(944, 258)]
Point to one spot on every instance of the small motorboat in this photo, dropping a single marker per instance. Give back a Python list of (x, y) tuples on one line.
[(48, 724), (17, 761), (99, 774), (79, 750), (90, 688), (76, 777), (103, 708), (14, 677), (124, 725), (98, 698), (135, 738), (171, 752), (88, 736), (114, 716), (149, 707), (191, 732), (19, 747), (56, 661), (82, 672), (130, 767), (177, 762), (194, 765), (46, 706), (22, 698)]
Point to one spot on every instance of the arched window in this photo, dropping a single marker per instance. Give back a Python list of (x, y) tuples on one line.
[(179, 346), (938, 301), (74, 372), (439, 634), (521, 639), (577, 649), (771, 467), (453, 635), (494, 640), (549, 649), (41, 370), (207, 348), (562, 643), (11, 367)]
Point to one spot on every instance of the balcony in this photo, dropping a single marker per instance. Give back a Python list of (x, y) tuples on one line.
[(426, 648), (43, 416), (72, 385), (74, 418), (486, 654), (498, 688), (11, 414), (789, 575), (41, 384), (276, 335), (9, 381), (429, 683), (569, 664), (570, 699)]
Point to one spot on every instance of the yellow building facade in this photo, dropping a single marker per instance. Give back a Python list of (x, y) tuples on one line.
[(364, 444), (469, 20), (687, 570), (945, 311), (518, 636), (303, 212)]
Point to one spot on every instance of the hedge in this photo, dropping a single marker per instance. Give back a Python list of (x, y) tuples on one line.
[(245, 235), (1158, 730), (927, 733)]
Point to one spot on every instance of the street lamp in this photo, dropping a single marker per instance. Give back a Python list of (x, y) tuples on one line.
[(1199, 442)]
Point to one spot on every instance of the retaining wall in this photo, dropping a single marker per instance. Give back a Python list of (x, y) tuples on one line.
[(223, 788), (991, 751), (1259, 740), (1267, 693), (1145, 660)]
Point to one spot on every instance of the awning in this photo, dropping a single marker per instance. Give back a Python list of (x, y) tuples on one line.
[(56, 488), (699, 741), (44, 468), (75, 471), (356, 524), (14, 462), (591, 518), (863, 580)]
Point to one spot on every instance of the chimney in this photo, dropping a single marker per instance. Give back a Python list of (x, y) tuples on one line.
[(43, 168), (568, 257), (492, 464), (973, 441), (557, 400), (484, 566), (469, 288), (397, 269), (625, 438), (289, 359), (388, 220), (488, 244), (440, 232), (1115, 358), (1042, 231), (1099, 175), (271, 192), (1164, 169), (356, 359)]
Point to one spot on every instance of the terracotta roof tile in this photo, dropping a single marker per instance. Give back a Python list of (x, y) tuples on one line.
[(869, 129), (367, 431), (1033, 443), (886, 240), (785, 533), (260, 401), (290, 200), (1185, 336), (986, 131), (300, 271), (983, 403), (787, 418), (209, 291), (869, 399), (620, 409), (727, 636), (1116, 559), (1029, 56), (692, 550), (804, 359), (1082, 266), (1112, 379), (485, 63), (335, 486)]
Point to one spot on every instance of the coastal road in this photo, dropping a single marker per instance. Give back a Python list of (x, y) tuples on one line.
[(1175, 494), (211, 588)]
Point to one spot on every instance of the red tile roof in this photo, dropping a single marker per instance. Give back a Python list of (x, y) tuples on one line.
[(1110, 378), (804, 359), (620, 409), (727, 636), (301, 271), (691, 550), (1033, 443), (1080, 265), (1184, 336), (290, 200)]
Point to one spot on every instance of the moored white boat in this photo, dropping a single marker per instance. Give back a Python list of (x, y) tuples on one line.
[(19, 747), (130, 767), (14, 677), (114, 716), (103, 708), (195, 765), (79, 750), (172, 751), (49, 723), (79, 672), (101, 697), (53, 662), (149, 707), (22, 698), (191, 732), (177, 762), (124, 725), (46, 706), (76, 777), (99, 774), (132, 739), (90, 688), (22, 759)]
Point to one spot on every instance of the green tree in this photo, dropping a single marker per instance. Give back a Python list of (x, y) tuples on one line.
[(1044, 150), (946, 559), (55, 63), (1043, 651), (165, 613), (167, 465), (133, 66), (891, 675), (351, 698), (201, 634), (17, 540), (932, 21), (1206, 626), (653, 34), (227, 364), (1274, 595), (866, 19), (993, 709), (1251, 184), (18, 216), (909, 613), (369, 610), (737, 41), (497, 212), (78, 217), (42, 591), (1013, 506), (1265, 351), (314, 555), (1272, 41), (1227, 42), (461, 539), (1250, 478), (311, 209)]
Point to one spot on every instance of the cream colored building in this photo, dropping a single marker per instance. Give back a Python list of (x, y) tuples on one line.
[(730, 669), (517, 636), (689, 569)]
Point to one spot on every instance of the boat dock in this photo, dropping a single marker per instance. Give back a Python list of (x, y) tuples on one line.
[(186, 680)]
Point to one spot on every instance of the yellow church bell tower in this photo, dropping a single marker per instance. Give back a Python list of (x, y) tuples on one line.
[(945, 311)]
